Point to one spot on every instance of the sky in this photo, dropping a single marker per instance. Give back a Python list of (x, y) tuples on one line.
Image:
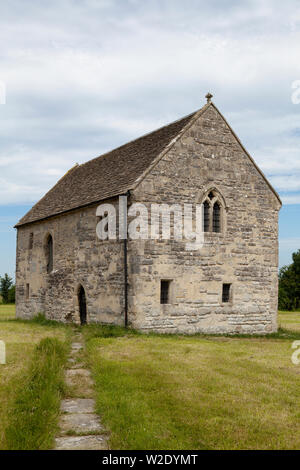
[(80, 77)]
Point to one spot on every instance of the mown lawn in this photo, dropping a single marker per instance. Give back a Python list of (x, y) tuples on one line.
[(22, 340), (200, 392), (7, 311), (155, 391), (289, 320)]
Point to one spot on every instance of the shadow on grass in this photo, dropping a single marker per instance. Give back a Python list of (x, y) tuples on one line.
[(107, 331), (99, 330)]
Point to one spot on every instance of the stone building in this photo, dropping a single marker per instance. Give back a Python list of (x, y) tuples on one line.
[(229, 285)]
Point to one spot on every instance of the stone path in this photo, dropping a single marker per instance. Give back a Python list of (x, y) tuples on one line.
[(80, 427)]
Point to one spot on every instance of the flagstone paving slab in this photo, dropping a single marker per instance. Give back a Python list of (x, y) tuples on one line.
[(81, 443), (78, 405), (78, 414), (78, 371), (76, 346), (75, 364), (80, 423), (76, 379)]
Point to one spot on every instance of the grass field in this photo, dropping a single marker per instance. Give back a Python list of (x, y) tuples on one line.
[(21, 339), (289, 320), (155, 391), (164, 392), (7, 312)]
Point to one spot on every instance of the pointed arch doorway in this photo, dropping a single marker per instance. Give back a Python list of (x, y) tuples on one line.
[(82, 305)]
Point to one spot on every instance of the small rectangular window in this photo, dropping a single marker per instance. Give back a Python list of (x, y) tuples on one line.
[(226, 293), (27, 291), (49, 254), (164, 292)]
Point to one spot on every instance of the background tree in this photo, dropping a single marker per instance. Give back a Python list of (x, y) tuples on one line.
[(289, 285), (6, 283), (12, 294)]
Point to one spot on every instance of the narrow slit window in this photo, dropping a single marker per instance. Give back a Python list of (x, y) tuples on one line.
[(206, 216), (27, 291), (216, 217), (31, 241), (226, 293), (164, 292), (49, 254)]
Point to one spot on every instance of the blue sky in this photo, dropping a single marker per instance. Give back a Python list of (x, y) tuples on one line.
[(82, 77)]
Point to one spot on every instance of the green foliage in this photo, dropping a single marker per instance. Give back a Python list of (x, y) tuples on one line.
[(98, 330), (289, 285), (12, 295), (33, 419), (7, 312), (6, 283), (40, 319)]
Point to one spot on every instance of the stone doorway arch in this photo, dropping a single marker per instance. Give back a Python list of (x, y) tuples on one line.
[(82, 305)]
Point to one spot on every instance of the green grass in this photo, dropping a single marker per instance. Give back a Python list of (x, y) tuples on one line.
[(21, 339), (289, 320), (33, 418), (7, 311), (198, 392), (155, 391), (106, 331)]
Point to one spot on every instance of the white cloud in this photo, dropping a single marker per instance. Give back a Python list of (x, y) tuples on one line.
[(84, 77), (286, 242), (292, 199), (287, 246), (286, 182)]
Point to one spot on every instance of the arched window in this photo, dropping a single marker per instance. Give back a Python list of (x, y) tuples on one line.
[(216, 217), (49, 253), (206, 208), (213, 210)]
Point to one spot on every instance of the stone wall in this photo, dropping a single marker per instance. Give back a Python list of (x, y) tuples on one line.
[(80, 258), (245, 254)]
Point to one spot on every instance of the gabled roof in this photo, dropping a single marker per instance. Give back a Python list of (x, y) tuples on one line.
[(113, 173), (109, 175)]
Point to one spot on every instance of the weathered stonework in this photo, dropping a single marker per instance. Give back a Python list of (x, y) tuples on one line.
[(245, 254), (80, 258)]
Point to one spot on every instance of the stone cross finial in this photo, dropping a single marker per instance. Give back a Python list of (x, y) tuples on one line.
[(209, 97)]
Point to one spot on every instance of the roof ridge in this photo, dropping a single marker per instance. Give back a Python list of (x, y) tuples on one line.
[(141, 137), (106, 175), (49, 191), (247, 153), (194, 116), (120, 169)]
